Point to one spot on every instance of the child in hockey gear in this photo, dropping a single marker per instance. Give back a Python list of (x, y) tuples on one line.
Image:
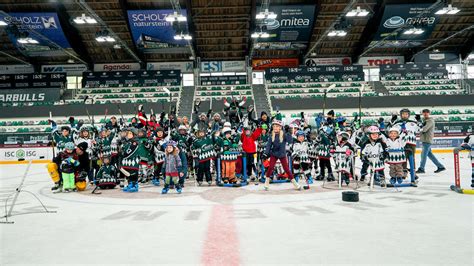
[(468, 144), (172, 167), (184, 140), (361, 139), (229, 156), (396, 154), (130, 155), (375, 152), (61, 137), (146, 158), (104, 143), (313, 150), (300, 157), (203, 150), (276, 150), (343, 156), (106, 177), (248, 139), (324, 156), (68, 166), (159, 154), (410, 128)]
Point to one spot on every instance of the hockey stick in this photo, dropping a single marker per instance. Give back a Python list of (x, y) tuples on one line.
[(53, 144), (96, 192)]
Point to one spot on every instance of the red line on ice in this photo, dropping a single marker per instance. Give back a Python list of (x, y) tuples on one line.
[(221, 246)]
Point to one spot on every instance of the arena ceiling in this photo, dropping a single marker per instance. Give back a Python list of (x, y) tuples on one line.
[(221, 30)]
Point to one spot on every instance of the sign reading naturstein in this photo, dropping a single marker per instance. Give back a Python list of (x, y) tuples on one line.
[(290, 30), (406, 16), (46, 24), (153, 34)]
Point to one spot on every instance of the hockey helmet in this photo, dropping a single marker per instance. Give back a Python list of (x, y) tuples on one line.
[(69, 146), (226, 130), (395, 128), (300, 133), (227, 124), (373, 129), (343, 135), (404, 110), (293, 125), (182, 127)]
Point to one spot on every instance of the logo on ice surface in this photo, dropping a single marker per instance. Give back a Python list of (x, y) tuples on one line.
[(49, 22), (20, 153)]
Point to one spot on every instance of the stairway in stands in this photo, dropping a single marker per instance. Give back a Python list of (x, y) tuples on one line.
[(379, 88), (186, 101), (261, 99)]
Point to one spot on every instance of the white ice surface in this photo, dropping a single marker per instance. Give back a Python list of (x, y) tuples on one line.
[(426, 225)]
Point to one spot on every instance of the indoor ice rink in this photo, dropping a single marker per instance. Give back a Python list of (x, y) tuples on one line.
[(237, 132)]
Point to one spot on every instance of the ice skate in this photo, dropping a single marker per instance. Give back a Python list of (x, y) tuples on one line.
[(296, 184), (267, 183), (165, 190)]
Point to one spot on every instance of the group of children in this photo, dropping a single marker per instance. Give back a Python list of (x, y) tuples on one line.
[(169, 149)]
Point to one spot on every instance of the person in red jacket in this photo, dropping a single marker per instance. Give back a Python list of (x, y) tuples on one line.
[(151, 124), (249, 146)]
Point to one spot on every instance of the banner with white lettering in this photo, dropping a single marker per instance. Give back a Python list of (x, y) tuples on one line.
[(327, 61), (29, 95), (117, 67), (70, 69), (27, 153), (222, 66)]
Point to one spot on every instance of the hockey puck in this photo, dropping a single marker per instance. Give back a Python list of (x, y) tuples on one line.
[(306, 187), (350, 196)]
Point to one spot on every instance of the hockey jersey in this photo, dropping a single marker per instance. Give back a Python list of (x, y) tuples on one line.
[(374, 152), (410, 128), (203, 149), (300, 152), (107, 175), (395, 149), (343, 161), (130, 155)]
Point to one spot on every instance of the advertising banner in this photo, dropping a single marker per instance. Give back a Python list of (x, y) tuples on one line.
[(25, 152), (291, 30), (261, 64), (29, 95), (314, 74), (37, 80), (16, 69), (185, 67), (413, 71), (222, 66), (446, 58), (374, 61), (328, 61), (131, 78), (153, 34), (46, 24), (223, 80), (406, 16), (69, 69), (117, 67)]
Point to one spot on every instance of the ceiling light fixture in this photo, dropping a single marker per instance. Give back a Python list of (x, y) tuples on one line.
[(358, 12), (257, 35), (84, 20), (175, 17), (449, 10), (339, 33), (3, 23), (27, 40), (266, 15)]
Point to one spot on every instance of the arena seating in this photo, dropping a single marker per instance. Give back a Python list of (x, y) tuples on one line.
[(206, 93), (128, 94), (423, 87), (316, 90)]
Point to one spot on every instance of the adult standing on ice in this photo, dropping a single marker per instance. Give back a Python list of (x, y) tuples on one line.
[(276, 150), (426, 137)]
